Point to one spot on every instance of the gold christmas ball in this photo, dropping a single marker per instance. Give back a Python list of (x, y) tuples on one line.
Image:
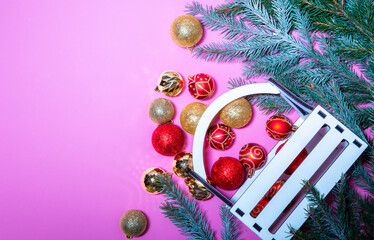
[(237, 113), (182, 163), (161, 111), (191, 115), (149, 179), (133, 223), (170, 83), (186, 31), (197, 189)]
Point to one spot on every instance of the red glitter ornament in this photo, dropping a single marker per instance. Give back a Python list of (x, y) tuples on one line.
[(253, 157), (274, 189), (279, 127), (201, 86), (168, 139), (259, 207), (220, 136), (227, 173), (296, 162)]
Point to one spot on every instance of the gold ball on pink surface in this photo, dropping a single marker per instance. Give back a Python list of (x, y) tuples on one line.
[(237, 113), (149, 179), (191, 115), (186, 31), (133, 223)]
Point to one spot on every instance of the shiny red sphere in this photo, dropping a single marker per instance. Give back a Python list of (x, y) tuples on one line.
[(201, 86), (274, 189), (279, 127), (259, 207), (296, 162), (220, 136), (168, 139), (227, 173), (253, 157)]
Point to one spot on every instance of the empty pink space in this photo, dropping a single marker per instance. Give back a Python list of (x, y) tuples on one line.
[(76, 79)]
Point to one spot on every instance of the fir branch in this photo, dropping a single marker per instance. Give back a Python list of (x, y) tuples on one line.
[(229, 230), (183, 211)]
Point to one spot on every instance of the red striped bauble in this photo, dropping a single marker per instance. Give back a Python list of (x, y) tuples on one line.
[(279, 127), (253, 157), (220, 136)]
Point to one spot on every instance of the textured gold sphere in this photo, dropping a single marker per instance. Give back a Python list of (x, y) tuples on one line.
[(236, 114), (191, 115), (133, 223), (161, 111), (149, 179), (197, 189), (186, 31)]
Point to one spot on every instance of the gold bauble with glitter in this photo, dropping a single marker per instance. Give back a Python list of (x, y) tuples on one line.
[(170, 83), (197, 189), (182, 163), (186, 31), (149, 179), (133, 223), (161, 111), (191, 115), (237, 113)]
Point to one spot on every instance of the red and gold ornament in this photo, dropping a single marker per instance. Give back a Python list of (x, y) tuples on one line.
[(279, 127), (259, 207), (168, 139), (274, 189), (228, 173), (296, 162), (220, 136), (201, 86), (253, 157)]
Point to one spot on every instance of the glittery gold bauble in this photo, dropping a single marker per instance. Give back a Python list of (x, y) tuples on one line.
[(170, 83), (149, 179), (182, 163), (191, 115), (197, 189), (186, 31), (161, 111), (133, 223), (237, 113)]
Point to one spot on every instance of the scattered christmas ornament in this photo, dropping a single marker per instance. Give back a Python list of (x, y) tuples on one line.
[(220, 136), (133, 223), (236, 114), (274, 189), (186, 31), (197, 189), (168, 139), (253, 157), (161, 111), (191, 115), (170, 83), (296, 162), (201, 86), (228, 173), (149, 178), (259, 207), (279, 127), (182, 163)]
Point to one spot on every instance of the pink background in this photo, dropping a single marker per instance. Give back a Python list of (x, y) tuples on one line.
[(76, 81)]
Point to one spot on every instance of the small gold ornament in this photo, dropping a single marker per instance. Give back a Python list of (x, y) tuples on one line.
[(182, 163), (170, 83), (149, 178), (161, 111), (237, 113), (186, 31), (191, 115), (133, 223), (197, 189)]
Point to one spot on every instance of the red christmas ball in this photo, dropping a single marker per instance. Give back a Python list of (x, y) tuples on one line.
[(296, 162), (227, 173), (220, 136), (279, 127), (258, 208), (168, 139), (201, 86), (274, 189), (253, 157)]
